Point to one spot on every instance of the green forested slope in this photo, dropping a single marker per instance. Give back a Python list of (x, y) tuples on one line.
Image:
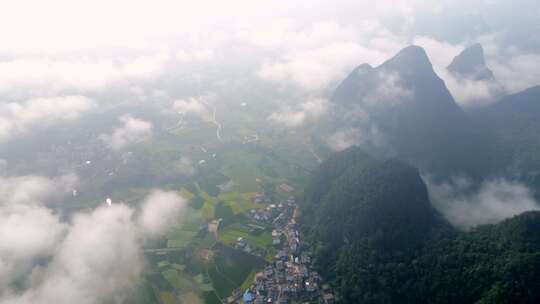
[(378, 240)]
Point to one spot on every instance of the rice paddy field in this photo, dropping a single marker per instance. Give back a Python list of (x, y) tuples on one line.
[(192, 264)]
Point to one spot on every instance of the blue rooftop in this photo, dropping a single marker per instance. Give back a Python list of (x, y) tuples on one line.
[(248, 296)]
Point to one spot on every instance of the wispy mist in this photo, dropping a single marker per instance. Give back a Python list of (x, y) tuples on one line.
[(466, 206)]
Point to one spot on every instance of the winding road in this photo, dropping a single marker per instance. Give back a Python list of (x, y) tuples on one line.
[(214, 120), (218, 125)]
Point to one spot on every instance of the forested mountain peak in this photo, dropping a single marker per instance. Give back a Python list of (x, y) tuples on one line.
[(353, 196), (378, 240)]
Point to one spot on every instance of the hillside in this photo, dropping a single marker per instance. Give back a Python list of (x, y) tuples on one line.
[(378, 240)]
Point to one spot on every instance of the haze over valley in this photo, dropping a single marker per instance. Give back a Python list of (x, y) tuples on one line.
[(269, 152)]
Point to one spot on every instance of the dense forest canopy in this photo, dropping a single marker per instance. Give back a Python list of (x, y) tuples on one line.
[(378, 239)]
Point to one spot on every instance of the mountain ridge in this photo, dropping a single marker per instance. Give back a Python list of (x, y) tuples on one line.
[(411, 107)]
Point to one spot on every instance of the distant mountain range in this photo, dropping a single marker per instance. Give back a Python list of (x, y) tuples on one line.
[(414, 113), (368, 215), (403, 109)]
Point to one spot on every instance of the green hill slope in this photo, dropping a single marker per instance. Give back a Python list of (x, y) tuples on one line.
[(377, 239)]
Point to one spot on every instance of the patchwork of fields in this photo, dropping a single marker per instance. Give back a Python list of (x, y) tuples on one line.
[(194, 264)]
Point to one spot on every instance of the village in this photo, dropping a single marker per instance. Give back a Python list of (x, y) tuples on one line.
[(290, 277)]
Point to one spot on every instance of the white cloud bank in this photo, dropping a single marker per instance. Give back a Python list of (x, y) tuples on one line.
[(93, 258), (193, 105), (518, 72), (317, 57), (159, 212), (311, 109), (387, 91), (92, 264), (28, 229), (16, 118), (132, 131), (493, 202), (56, 75), (368, 136), (314, 69)]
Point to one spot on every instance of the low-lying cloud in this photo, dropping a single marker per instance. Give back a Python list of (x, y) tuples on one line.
[(184, 166), (159, 212), (491, 203), (383, 90), (54, 76), (387, 91), (288, 118), (92, 258), (368, 136), (315, 70), (93, 263), (133, 130), (28, 228), (518, 72), (193, 105), (343, 139), (311, 109), (315, 58), (470, 93), (21, 117)]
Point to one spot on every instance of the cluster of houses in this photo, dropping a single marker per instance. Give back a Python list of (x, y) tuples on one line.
[(271, 212), (289, 278), (241, 244), (263, 216), (262, 198)]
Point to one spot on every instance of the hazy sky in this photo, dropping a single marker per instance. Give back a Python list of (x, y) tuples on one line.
[(62, 59), (63, 25), (58, 46)]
